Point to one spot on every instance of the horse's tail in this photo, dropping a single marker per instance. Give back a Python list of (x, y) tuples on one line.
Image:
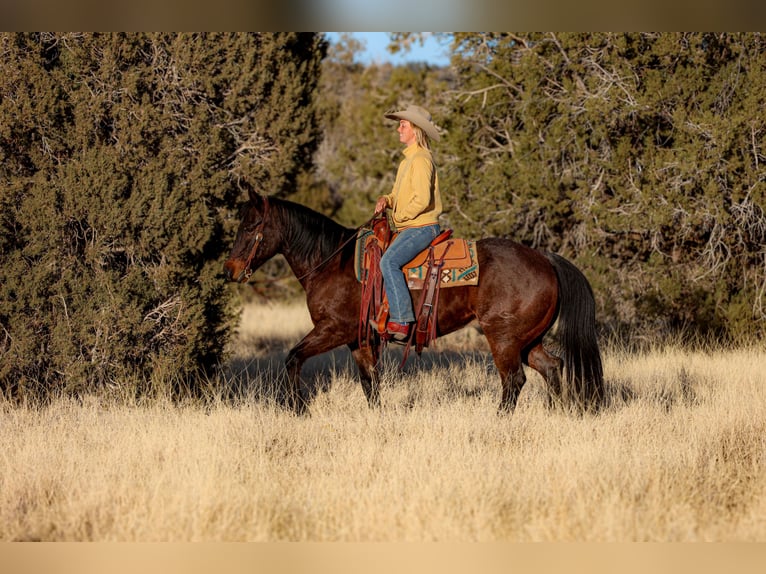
[(583, 372)]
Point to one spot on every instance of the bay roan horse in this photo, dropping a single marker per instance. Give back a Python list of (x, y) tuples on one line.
[(521, 294)]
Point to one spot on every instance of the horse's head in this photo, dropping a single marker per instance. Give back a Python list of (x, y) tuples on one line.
[(255, 242)]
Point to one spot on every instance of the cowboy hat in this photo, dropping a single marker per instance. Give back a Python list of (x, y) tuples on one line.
[(418, 116)]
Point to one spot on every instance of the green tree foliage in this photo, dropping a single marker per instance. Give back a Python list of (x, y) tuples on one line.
[(119, 157), (639, 155)]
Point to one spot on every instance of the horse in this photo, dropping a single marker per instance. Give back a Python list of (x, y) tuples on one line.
[(521, 294)]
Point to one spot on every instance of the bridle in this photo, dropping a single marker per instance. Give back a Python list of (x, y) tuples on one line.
[(247, 272)]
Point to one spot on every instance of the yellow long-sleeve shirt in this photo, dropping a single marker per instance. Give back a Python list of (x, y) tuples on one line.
[(415, 198)]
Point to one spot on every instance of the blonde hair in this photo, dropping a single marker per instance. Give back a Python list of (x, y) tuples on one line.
[(422, 138)]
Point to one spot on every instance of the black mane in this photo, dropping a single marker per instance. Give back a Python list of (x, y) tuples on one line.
[(310, 235)]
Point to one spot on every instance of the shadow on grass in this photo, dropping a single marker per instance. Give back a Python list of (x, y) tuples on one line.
[(681, 390), (262, 376)]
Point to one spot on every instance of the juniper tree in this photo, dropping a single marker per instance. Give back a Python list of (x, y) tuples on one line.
[(120, 158), (639, 155)]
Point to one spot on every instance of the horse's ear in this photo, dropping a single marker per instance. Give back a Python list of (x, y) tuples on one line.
[(254, 196)]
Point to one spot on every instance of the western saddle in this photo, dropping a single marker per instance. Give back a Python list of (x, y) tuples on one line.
[(373, 313)]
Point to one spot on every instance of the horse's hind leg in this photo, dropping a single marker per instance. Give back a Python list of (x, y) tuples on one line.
[(512, 385), (507, 355), (549, 366), (367, 360)]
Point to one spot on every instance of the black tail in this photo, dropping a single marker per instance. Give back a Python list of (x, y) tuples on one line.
[(583, 372)]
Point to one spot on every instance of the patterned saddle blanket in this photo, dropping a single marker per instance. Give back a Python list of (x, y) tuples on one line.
[(460, 266)]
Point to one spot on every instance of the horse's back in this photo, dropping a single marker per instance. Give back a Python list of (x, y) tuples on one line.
[(515, 281), (510, 263)]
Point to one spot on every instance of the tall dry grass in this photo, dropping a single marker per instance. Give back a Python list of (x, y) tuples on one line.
[(678, 456)]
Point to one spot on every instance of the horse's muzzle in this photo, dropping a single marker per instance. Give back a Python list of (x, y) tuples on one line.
[(233, 271)]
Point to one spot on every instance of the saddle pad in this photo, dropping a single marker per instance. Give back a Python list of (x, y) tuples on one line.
[(461, 267)]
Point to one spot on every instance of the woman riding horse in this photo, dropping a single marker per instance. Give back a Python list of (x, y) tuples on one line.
[(521, 294), (415, 205)]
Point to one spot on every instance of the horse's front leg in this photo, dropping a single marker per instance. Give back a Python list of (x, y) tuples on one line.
[(295, 399), (319, 340), (367, 360)]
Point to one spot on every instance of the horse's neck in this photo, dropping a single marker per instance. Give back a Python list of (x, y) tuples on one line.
[(311, 258)]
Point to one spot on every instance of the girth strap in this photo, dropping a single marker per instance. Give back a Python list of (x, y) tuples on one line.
[(427, 309), (429, 300)]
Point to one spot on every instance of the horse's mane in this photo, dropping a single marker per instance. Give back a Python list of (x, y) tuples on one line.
[(311, 235)]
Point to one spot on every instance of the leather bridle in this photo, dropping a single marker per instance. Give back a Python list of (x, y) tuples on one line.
[(247, 272)]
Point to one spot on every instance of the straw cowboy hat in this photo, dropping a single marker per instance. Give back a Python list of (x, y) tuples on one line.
[(418, 116)]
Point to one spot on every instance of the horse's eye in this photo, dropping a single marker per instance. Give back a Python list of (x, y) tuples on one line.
[(250, 227)]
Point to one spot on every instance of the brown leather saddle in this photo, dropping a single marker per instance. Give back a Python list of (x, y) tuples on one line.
[(424, 273)]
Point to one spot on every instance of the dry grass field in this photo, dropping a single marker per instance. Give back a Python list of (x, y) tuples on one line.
[(679, 455)]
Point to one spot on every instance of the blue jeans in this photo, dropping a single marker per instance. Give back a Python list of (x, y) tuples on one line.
[(407, 245)]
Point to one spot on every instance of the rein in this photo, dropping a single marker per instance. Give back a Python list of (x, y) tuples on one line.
[(247, 272), (334, 253)]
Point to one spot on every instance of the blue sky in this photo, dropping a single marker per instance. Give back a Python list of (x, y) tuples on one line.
[(375, 43)]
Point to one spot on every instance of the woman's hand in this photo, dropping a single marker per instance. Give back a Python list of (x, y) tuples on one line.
[(381, 205)]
